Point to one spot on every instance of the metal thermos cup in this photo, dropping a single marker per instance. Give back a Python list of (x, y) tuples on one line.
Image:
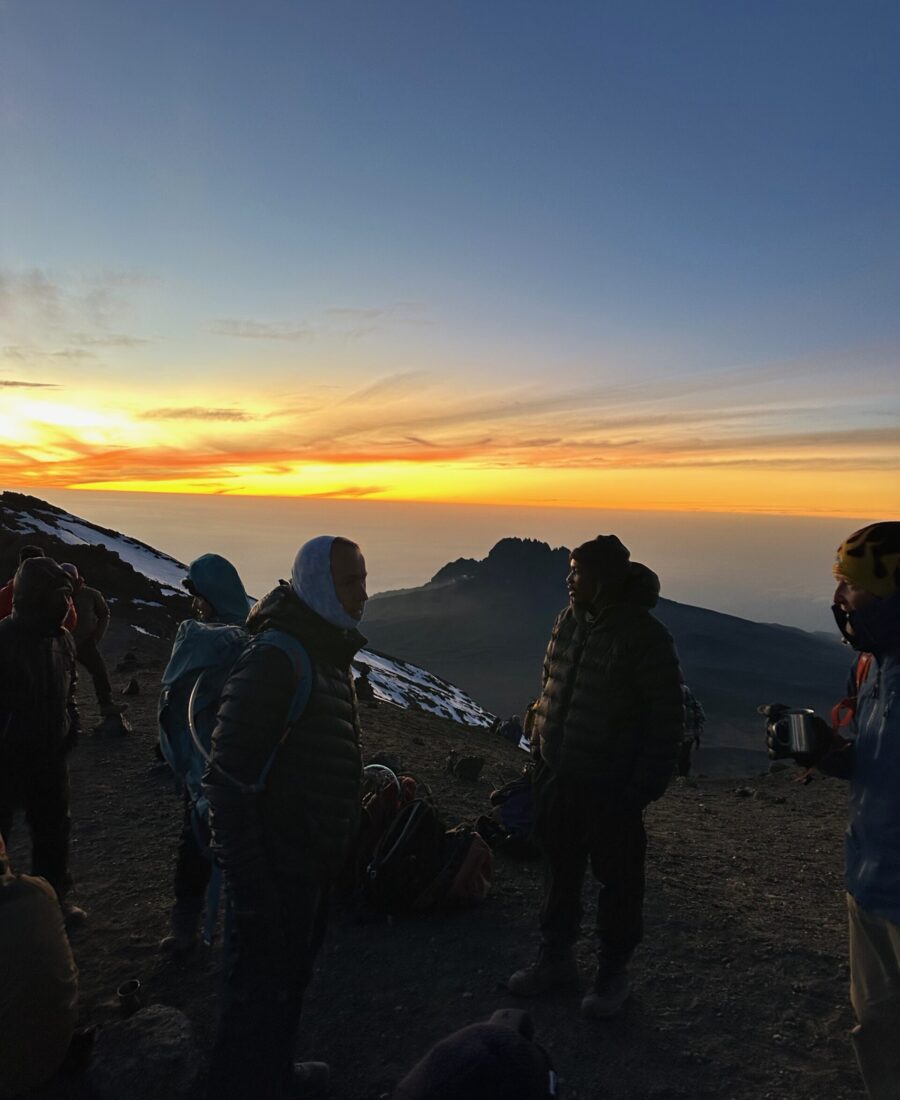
[(795, 732)]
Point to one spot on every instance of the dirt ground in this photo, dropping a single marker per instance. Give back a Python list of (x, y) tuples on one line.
[(740, 986)]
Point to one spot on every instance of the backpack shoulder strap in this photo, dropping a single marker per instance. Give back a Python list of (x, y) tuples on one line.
[(303, 677)]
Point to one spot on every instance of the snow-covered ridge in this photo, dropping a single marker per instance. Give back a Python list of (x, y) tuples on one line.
[(393, 681), (409, 686), (47, 520)]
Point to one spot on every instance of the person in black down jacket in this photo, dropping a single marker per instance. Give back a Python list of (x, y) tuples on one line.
[(39, 719), (282, 849), (607, 729)]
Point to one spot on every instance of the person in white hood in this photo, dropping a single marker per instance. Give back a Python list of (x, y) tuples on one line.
[(282, 849)]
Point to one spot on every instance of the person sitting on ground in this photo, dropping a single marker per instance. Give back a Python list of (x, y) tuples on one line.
[(93, 619), (39, 721), (39, 987), (219, 599), (6, 592)]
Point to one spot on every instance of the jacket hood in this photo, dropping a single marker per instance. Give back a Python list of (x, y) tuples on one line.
[(640, 587), (312, 581), (216, 580), (282, 609), (41, 589), (876, 627)]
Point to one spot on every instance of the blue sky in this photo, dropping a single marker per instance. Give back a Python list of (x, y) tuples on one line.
[(548, 194)]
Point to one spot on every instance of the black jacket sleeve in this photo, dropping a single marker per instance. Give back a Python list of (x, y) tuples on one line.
[(657, 679), (250, 723)]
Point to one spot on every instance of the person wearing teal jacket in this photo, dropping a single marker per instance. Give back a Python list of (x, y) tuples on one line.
[(219, 598)]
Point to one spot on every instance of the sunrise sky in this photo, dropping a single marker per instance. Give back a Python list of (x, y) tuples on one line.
[(608, 254)]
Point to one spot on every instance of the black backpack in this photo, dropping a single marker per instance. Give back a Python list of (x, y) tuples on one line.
[(408, 858)]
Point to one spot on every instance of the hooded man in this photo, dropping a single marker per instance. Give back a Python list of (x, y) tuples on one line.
[(606, 733), (867, 611), (219, 599), (6, 592), (39, 719), (90, 626), (282, 848)]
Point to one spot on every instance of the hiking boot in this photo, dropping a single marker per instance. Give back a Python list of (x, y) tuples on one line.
[(183, 937), (610, 991), (73, 915), (179, 943), (547, 972), (110, 710), (312, 1078)]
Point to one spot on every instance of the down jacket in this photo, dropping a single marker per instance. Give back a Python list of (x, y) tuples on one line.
[(610, 715), (38, 711), (304, 820)]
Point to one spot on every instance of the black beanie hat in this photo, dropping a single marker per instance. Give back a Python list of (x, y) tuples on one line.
[(496, 1060), (604, 558)]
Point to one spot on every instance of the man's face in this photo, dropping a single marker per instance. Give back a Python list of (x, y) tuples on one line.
[(202, 609), (850, 597), (581, 584), (348, 571)]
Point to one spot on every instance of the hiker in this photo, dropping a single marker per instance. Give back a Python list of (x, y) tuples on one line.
[(494, 1060), (694, 721), (606, 733), (6, 592), (282, 849), (511, 730), (39, 721), (219, 598), (365, 693), (867, 611), (39, 987), (92, 620)]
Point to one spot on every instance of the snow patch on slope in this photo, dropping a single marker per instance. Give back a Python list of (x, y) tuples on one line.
[(409, 686)]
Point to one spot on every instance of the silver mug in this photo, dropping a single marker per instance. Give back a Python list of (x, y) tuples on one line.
[(795, 732)]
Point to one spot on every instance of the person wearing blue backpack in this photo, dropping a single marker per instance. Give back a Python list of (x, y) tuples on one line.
[(206, 645), (284, 794)]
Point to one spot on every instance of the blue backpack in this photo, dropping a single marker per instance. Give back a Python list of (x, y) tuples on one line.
[(202, 659)]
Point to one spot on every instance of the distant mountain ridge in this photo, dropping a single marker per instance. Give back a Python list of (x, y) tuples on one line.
[(485, 625)]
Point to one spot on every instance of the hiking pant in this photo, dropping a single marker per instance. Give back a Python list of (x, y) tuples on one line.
[(192, 869), (90, 656), (684, 757), (571, 827), (875, 996), (41, 789), (263, 996)]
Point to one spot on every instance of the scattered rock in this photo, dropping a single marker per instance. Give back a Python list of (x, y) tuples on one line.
[(114, 725), (128, 663), (132, 688), (149, 1055), (744, 792)]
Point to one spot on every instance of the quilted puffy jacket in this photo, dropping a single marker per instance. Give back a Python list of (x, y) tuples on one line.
[(610, 715)]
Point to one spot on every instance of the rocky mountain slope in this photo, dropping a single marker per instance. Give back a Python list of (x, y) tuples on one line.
[(485, 624)]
